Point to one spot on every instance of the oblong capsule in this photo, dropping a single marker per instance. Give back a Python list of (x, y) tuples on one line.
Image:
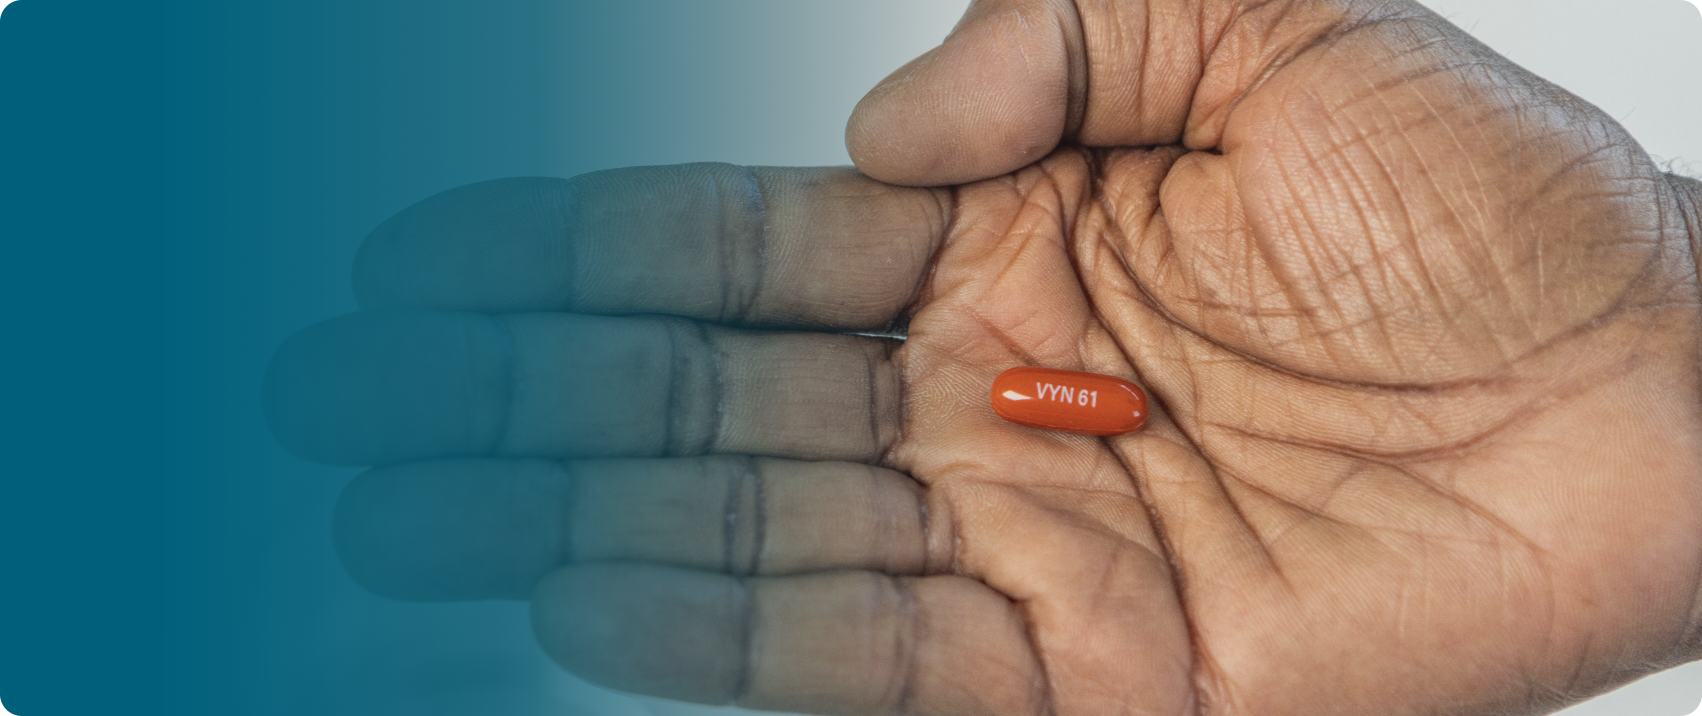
[(1069, 400)]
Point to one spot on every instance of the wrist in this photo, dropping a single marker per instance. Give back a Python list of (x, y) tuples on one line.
[(1687, 198), (1687, 195)]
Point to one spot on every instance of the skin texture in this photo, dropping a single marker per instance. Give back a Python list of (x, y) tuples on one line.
[(1420, 329)]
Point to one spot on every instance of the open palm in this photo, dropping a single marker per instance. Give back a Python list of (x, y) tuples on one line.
[(1420, 330)]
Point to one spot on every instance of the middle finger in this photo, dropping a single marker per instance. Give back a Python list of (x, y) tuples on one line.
[(386, 386)]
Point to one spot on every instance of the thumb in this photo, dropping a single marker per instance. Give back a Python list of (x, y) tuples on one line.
[(993, 97), (1017, 77)]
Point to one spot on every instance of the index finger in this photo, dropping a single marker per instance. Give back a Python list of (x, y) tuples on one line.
[(771, 247)]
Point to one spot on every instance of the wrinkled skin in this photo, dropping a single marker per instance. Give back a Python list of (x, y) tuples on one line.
[(1420, 329)]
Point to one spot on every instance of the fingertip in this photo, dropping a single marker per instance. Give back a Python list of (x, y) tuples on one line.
[(990, 100), (493, 246), (376, 387), (664, 632), (452, 530)]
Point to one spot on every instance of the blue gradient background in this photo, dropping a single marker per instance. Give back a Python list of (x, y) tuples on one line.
[(184, 184)]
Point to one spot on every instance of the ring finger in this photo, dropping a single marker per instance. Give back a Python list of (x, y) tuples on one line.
[(487, 528)]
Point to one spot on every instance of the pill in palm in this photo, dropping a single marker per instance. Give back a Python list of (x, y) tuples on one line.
[(1069, 400)]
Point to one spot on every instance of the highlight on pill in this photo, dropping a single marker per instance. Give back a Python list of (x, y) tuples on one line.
[(1069, 400)]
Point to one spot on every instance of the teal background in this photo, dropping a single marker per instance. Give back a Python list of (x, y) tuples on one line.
[(184, 184)]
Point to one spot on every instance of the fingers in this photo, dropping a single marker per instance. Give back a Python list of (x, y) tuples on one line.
[(1016, 77), (380, 387), (733, 245), (842, 642), (488, 528)]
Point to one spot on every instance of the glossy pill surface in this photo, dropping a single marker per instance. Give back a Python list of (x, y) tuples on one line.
[(1067, 400)]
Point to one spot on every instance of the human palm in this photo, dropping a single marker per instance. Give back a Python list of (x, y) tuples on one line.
[(1420, 331)]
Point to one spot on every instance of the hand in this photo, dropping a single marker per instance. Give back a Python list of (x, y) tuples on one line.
[(1421, 330)]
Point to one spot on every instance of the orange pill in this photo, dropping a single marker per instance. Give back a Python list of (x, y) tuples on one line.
[(1067, 400)]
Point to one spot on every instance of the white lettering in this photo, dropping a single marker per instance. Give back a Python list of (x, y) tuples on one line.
[(1060, 394)]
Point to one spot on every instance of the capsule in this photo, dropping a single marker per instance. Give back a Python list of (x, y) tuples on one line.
[(1068, 400)]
